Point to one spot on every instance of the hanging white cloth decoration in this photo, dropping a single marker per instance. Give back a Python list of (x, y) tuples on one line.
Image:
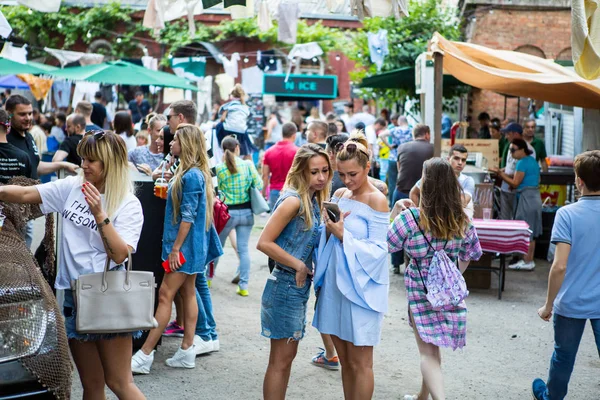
[(264, 16), (41, 5), (5, 28), (17, 54), (241, 12), (305, 51), (66, 57), (231, 66)]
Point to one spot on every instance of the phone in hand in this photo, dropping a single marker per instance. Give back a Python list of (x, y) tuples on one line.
[(333, 210), (165, 264)]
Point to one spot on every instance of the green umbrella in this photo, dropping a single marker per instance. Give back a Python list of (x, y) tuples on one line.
[(122, 73), (10, 67)]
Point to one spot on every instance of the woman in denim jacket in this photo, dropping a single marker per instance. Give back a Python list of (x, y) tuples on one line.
[(289, 238), (188, 231)]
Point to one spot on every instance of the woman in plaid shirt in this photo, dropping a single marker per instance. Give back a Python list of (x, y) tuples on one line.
[(236, 177), (440, 215)]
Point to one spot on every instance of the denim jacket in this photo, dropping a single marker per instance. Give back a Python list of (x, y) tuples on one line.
[(200, 247), (295, 239)]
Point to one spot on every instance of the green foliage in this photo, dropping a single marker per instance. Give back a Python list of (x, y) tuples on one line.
[(64, 28), (407, 39)]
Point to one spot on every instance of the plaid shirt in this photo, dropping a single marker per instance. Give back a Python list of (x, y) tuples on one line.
[(235, 187), (399, 135)]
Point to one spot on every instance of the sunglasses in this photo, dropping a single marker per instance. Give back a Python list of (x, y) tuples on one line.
[(350, 148), (97, 134), (169, 116), (513, 149)]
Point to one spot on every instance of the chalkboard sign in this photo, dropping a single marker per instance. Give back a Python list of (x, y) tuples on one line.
[(313, 86), (256, 121)]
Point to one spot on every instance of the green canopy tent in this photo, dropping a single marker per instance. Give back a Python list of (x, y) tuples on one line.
[(44, 67), (402, 78), (122, 73), (10, 67)]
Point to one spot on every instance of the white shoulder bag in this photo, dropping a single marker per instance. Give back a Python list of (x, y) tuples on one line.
[(115, 301)]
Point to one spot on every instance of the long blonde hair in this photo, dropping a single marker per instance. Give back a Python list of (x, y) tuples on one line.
[(193, 155), (441, 204), (110, 149), (298, 179)]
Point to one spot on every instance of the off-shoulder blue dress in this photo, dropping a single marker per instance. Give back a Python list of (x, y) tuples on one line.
[(352, 278)]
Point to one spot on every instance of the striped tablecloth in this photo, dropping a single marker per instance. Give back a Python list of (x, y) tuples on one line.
[(501, 236)]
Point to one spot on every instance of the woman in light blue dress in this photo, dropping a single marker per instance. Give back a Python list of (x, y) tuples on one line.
[(351, 277)]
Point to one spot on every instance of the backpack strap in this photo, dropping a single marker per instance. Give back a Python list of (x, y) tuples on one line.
[(416, 262)]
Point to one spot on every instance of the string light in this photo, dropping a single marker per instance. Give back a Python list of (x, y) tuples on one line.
[(89, 34), (272, 61), (314, 59), (119, 40), (359, 55), (170, 56), (59, 25), (337, 57), (246, 60), (30, 11)]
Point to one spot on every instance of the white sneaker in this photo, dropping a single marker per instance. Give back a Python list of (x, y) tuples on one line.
[(528, 266), (141, 363), (216, 345), (202, 347), (411, 397), (183, 358), (516, 265)]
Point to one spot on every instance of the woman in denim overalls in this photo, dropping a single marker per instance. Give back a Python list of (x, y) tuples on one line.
[(289, 239)]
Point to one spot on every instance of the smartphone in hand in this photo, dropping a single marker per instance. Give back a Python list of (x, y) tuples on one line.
[(333, 210), (165, 264)]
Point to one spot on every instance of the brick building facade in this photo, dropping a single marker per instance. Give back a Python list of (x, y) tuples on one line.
[(536, 27)]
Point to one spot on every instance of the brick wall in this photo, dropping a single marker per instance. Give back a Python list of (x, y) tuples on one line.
[(540, 32)]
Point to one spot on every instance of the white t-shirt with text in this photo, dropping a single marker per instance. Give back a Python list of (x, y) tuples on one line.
[(82, 251)]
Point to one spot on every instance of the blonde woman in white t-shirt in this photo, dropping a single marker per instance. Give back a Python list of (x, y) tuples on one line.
[(101, 218)]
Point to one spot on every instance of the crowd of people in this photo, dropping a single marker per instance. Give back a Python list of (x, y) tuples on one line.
[(330, 190)]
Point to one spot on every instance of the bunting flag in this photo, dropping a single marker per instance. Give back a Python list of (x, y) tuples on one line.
[(229, 3), (209, 3)]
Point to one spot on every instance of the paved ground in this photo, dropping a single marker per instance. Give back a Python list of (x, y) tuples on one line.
[(507, 346)]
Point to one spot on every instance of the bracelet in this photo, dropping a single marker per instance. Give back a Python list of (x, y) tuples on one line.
[(104, 223)]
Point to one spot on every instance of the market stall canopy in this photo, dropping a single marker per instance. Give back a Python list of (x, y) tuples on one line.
[(402, 78), (122, 73), (9, 67), (516, 74), (44, 67)]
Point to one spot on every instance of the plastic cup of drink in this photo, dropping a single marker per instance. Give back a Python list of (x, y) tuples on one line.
[(160, 188), (2, 218), (487, 213)]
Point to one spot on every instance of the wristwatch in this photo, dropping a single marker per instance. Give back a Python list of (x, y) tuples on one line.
[(104, 223)]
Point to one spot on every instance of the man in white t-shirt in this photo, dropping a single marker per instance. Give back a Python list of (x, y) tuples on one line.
[(458, 160)]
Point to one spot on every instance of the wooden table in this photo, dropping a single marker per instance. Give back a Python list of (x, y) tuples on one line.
[(503, 237)]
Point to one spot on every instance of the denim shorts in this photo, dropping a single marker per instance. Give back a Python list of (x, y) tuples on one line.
[(71, 324), (283, 308)]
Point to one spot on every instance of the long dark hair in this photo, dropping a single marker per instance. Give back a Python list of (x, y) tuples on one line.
[(441, 203), (229, 144), (167, 139), (123, 123)]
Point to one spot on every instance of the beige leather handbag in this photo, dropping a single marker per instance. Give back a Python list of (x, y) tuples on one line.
[(115, 301)]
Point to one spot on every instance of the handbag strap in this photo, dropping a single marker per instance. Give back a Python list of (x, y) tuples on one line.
[(128, 270)]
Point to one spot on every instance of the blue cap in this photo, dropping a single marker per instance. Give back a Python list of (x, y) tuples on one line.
[(513, 127)]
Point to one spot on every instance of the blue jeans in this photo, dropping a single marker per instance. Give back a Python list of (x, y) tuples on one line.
[(273, 196), (392, 178), (242, 221), (567, 336), (206, 327), (398, 257)]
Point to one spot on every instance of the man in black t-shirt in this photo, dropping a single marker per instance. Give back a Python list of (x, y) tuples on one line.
[(99, 111), (68, 148), (13, 162)]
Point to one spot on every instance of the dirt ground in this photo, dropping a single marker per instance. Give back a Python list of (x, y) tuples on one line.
[(508, 346)]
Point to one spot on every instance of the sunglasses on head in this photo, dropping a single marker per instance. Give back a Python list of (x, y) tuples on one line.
[(97, 134), (350, 148)]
